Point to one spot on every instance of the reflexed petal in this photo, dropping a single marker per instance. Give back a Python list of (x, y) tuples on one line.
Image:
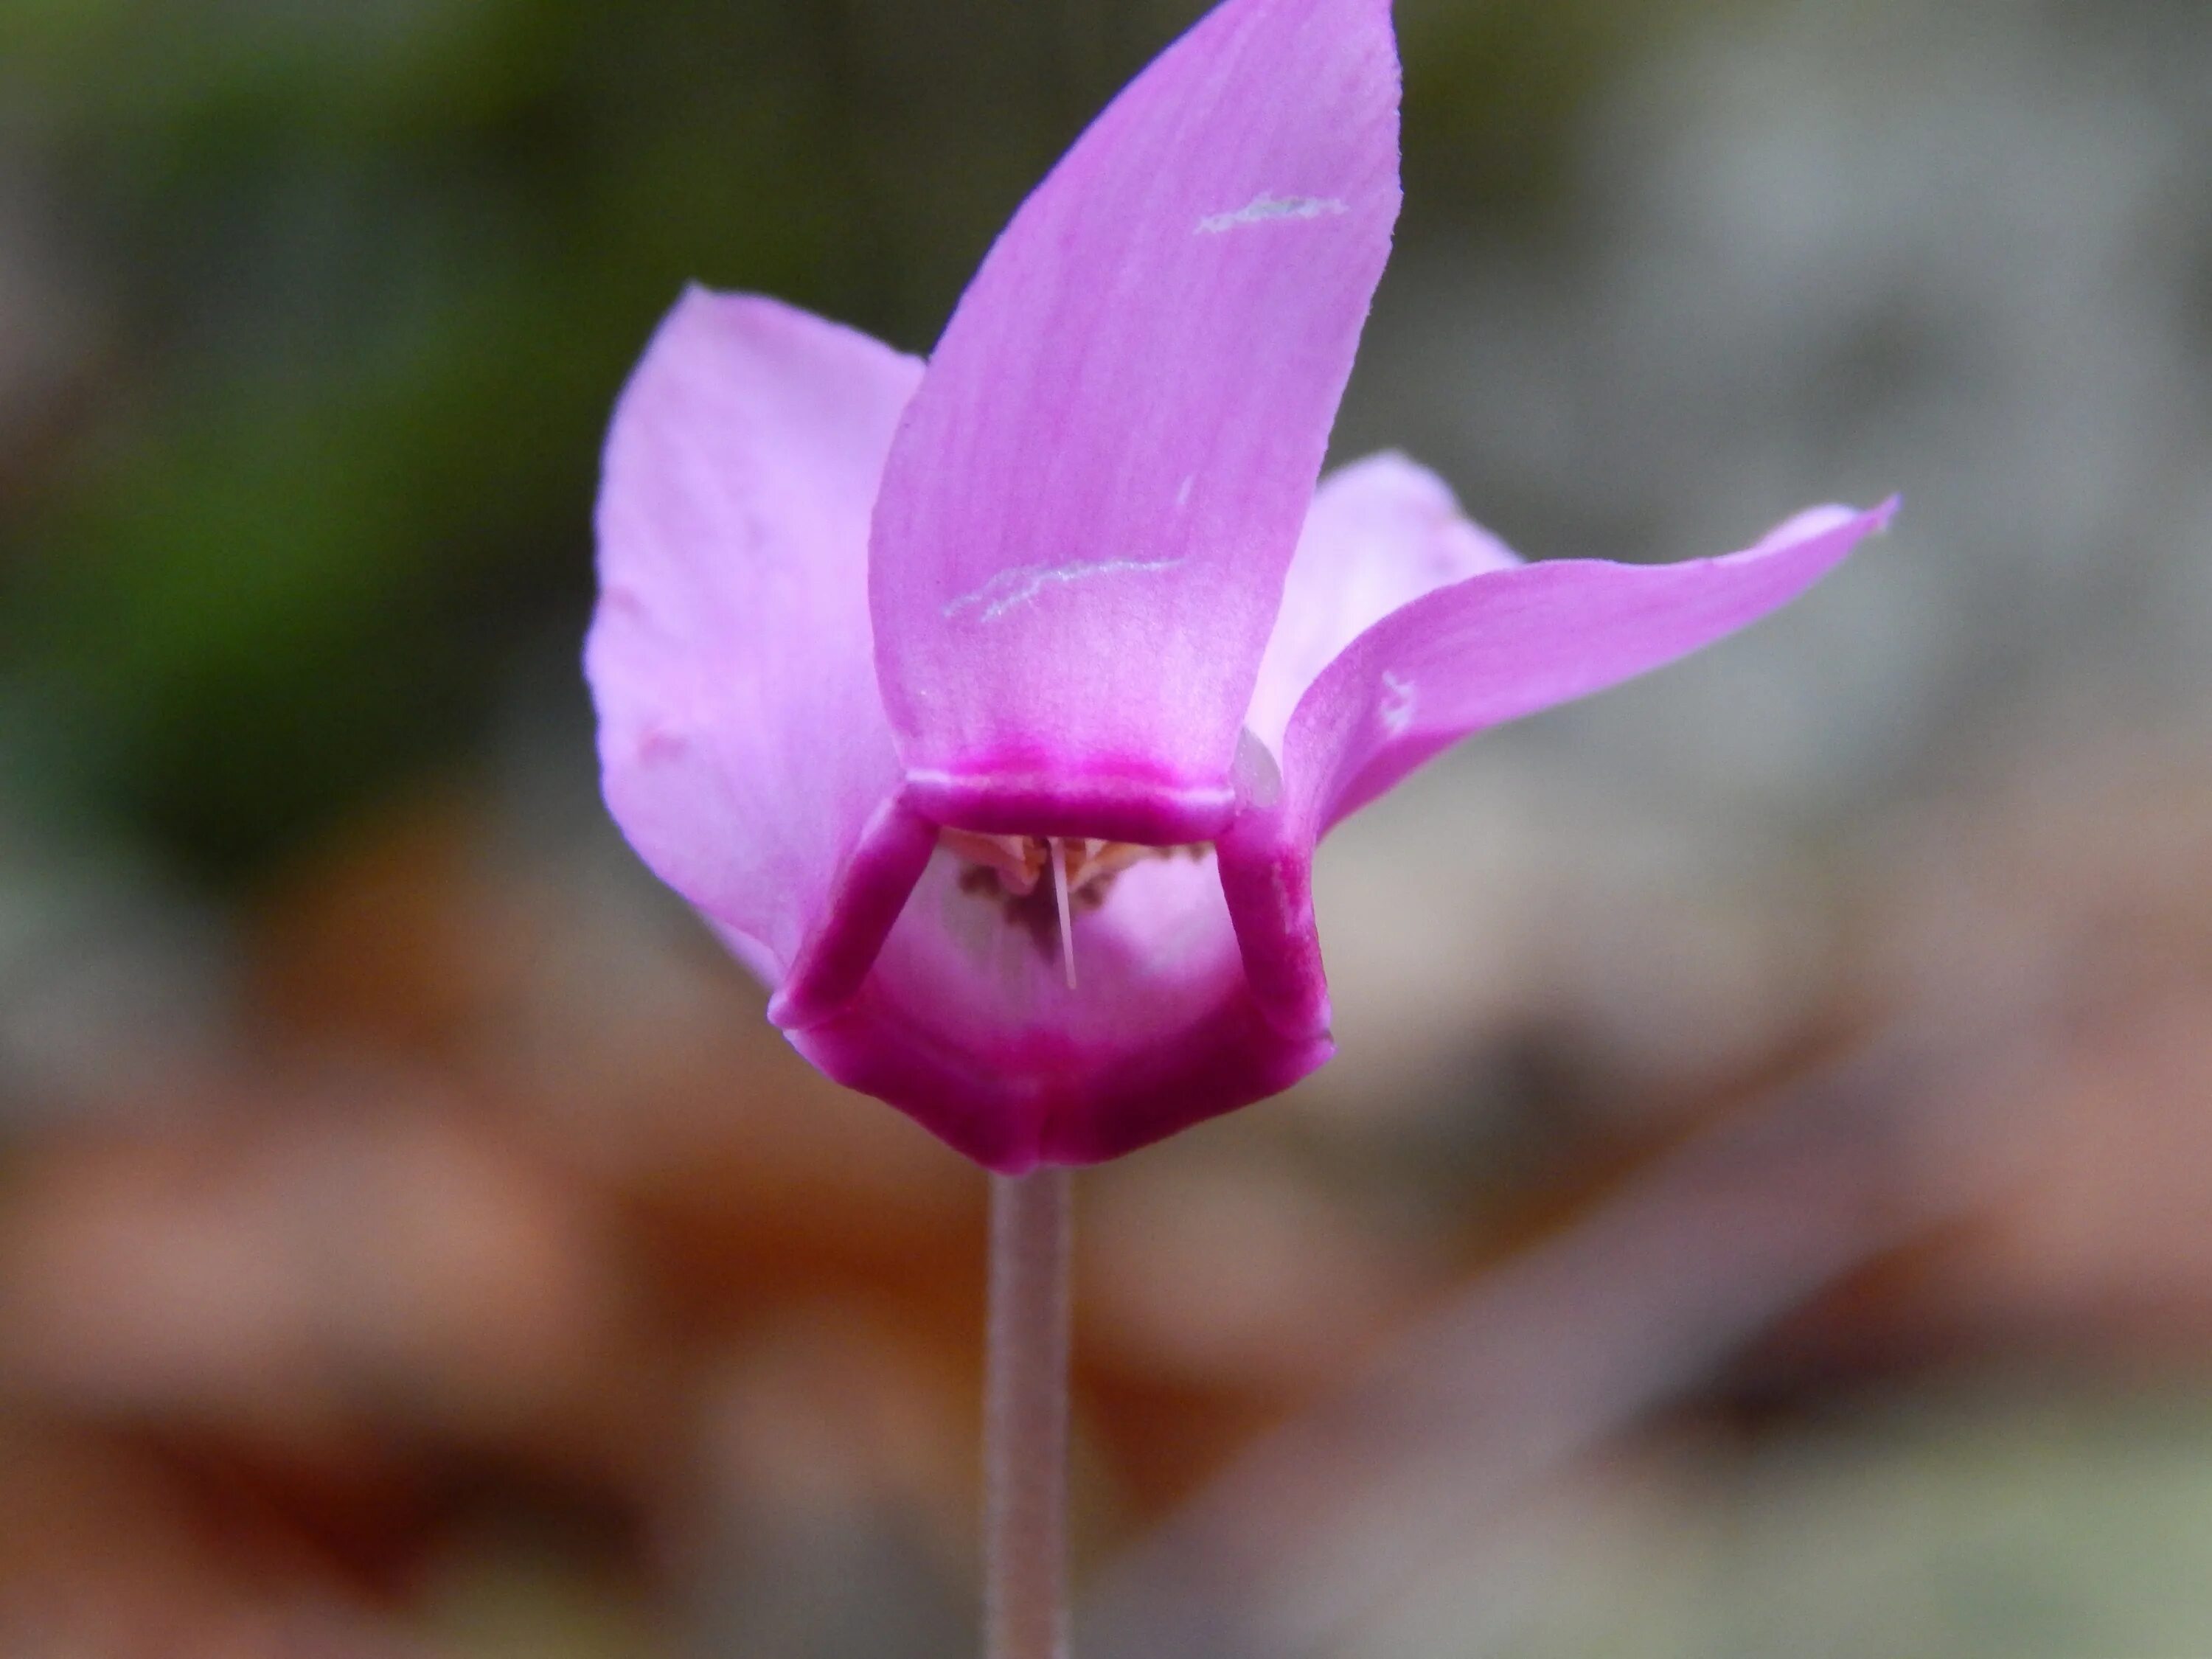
[(1381, 533), (1497, 646), (1508, 642), (967, 1024), (1086, 519), (742, 739)]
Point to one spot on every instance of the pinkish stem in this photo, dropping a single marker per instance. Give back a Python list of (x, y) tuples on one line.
[(1025, 1420)]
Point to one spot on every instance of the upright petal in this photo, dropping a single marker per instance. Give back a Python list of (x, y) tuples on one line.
[(742, 739), (1381, 533), (1086, 519), (1499, 645)]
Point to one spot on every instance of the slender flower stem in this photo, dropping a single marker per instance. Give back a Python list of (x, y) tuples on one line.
[(1025, 1420)]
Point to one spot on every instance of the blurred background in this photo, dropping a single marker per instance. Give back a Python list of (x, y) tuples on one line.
[(1763, 1201)]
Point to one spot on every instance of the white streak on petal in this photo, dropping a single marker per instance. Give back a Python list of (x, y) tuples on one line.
[(1263, 209), (1396, 709), (1018, 586)]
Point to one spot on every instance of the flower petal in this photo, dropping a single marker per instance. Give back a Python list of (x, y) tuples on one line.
[(1081, 543), (1508, 642), (743, 745), (1480, 652), (967, 1024), (1381, 533)]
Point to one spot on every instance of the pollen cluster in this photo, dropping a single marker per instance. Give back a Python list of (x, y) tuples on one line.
[(1018, 865), (1039, 880)]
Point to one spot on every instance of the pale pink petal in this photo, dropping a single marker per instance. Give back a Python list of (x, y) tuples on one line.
[(967, 1023), (743, 745), (1495, 646), (1381, 533), (1086, 519), (1508, 642)]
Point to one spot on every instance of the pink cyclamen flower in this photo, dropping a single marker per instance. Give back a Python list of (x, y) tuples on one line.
[(992, 710)]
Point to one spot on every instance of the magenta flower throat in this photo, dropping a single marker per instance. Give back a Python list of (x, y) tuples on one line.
[(992, 710)]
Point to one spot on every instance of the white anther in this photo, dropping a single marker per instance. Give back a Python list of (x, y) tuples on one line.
[(1066, 920)]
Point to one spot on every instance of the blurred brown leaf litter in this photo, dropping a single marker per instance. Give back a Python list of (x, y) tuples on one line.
[(432, 1259)]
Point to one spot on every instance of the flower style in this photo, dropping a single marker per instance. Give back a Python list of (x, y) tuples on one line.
[(992, 711)]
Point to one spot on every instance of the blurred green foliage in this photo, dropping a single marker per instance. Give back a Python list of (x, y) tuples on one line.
[(364, 280), (1974, 1524)]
